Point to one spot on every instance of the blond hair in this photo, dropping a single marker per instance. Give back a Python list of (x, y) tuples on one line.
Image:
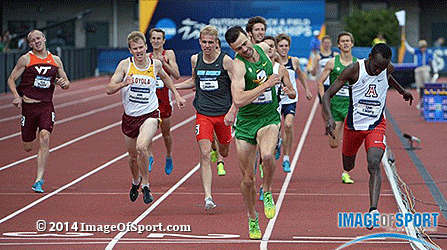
[(209, 30), (134, 36)]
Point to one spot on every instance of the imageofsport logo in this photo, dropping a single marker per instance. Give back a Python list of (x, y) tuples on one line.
[(168, 25), (388, 235)]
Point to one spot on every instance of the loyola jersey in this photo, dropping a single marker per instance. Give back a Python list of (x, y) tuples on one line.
[(367, 99), (38, 78), (139, 98)]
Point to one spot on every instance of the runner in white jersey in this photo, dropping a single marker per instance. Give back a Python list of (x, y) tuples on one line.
[(326, 53), (136, 77), (368, 84), (288, 105)]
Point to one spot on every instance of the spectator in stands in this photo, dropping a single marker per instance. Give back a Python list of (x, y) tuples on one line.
[(422, 59), (439, 42)]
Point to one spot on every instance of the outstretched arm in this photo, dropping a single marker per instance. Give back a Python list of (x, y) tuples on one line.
[(17, 71), (350, 75), (392, 82), (190, 82), (168, 83), (117, 80), (302, 77)]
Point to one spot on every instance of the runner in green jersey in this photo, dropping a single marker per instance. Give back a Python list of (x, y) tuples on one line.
[(258, 120), (340, 102)]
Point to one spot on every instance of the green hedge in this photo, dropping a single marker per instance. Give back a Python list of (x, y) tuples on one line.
[(364, 26)]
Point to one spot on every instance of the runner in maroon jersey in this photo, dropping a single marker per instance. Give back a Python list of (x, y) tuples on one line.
[(40, 71), (167, 57)]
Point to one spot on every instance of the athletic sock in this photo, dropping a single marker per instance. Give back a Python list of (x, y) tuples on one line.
[(285, 158), (372, 208)]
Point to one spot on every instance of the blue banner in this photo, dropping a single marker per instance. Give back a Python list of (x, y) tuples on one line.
[(182, 21)]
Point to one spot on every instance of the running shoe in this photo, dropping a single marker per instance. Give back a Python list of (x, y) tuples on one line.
[(151, 161), (147, 196), (133, 194), (286, 166), (209, 204), (221, 169), (278, 149), (261, 170), (345, 178), (269, 205), (375, 211), (37, 187), (168, 165), (213, 156), (254, 231), (261, 194)]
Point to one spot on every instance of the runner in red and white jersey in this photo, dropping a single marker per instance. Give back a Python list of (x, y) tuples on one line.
[(167, 57)]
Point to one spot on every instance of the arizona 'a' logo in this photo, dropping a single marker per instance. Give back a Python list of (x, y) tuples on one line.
[(372, 91)]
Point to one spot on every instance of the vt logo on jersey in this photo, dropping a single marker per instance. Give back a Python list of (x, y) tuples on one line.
[(372, 91), (261, 76), (42, 70)]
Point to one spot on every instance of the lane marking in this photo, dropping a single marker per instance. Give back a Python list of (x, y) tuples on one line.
[(271, 224), (64, 144), (66, 104), (60, 95), (158, 136), (71, 118)]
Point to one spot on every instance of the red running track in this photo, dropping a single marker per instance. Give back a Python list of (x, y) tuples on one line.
[(88, 180)]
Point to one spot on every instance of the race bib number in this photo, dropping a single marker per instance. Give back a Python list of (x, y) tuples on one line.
[(209, 84), (139, 95), (159, 84), (264, 98), (344, 91), (42, 82), (369, 108)]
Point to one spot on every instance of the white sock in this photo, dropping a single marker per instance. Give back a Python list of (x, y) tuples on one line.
[(145, 186), (285, 158)]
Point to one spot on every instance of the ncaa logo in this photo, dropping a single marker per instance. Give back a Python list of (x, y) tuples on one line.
[(168, 25)]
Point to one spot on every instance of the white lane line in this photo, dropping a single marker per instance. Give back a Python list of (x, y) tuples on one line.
[(71, 118), (158, 136), (66, 104), (64, 144), (115, 239), (271, 224), (60, 95)]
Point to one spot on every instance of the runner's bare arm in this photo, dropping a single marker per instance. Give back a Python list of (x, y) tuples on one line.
[(325, 74), (168, 83), (347, 75), (190, 82), (288, 88), (17, 71), (302, 77), (62, 80), (392, 82), (171, 64), (117, 80), (242, 97), (231, 114)]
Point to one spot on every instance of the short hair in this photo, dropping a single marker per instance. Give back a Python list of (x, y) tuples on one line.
[(254, 20), (209, 30), (283, 36), (326, 37), (270, 38), (233, 33), (134, 36), (382, 49), (157, 30), (31, 32), (345, 33), (219, 42)]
